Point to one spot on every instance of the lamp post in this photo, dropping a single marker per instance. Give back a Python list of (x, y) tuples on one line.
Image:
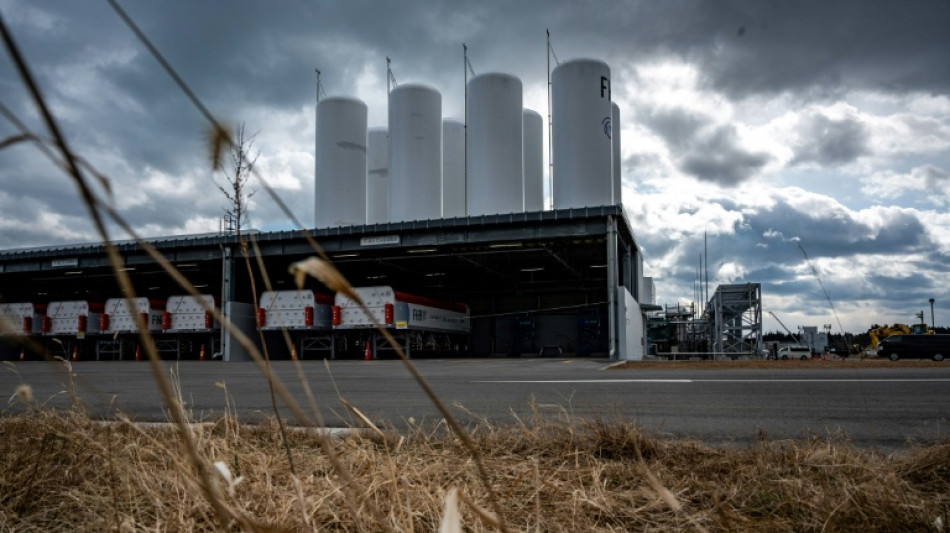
[(933, 324)]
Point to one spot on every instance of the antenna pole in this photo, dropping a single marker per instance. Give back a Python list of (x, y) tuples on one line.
[(706, 270), (319, 83), (550, 125), (465, 124), (389, 75)]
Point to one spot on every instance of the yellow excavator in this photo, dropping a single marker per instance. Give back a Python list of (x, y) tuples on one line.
[(885, 331)]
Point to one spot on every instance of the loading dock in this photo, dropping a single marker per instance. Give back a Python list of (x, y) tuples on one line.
[(563, 281)]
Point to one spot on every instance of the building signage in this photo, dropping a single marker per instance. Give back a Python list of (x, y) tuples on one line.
[(379, 241), (72, 262)]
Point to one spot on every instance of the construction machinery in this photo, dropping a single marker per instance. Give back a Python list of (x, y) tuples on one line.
[(880, 333)]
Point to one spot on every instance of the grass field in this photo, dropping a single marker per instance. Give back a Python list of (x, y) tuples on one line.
[(66, 472)]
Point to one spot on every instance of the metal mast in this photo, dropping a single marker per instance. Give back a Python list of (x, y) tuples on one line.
[(390, 79), (550, 128)]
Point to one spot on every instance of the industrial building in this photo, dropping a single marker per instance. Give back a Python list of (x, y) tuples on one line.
[(564, 281), (439, 224)]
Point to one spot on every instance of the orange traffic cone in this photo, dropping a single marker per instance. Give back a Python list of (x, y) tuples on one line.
[(75, 353), (23, 353), (293, 352), (138, 353), (368, 355), (201, 353)]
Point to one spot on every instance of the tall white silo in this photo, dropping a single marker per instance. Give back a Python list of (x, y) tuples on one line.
[(495, 159), (615, 152), (377, 176), (581, 113), (415, 153), (340, 163), (533, 161), (453, 169)]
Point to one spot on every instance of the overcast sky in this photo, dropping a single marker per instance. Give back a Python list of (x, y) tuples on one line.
[(773, 127)]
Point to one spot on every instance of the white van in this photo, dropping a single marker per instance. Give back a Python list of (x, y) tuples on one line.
[(794, 352)]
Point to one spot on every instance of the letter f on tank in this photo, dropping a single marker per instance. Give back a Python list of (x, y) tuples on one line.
[(604, 86)]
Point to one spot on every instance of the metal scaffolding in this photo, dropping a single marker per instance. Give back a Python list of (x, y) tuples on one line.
[(736, 315)]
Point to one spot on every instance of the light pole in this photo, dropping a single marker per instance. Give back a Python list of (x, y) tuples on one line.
[(933, 324)]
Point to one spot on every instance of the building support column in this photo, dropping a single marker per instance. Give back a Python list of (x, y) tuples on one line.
[(227, 293), (612, 283)]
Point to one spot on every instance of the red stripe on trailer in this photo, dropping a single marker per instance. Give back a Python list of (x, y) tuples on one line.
[(308, 315), (156, 305), (209, 319), (82, 323), (336, 315), (27, 325), (429, 302), (47, 324), (96, 307), (325, 299), (103, 322), (261, 317), (166, 320), (388, 312)]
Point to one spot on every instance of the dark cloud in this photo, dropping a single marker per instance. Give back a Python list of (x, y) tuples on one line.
[(252, 61), (703, 149), (825, 47), (830, 142)]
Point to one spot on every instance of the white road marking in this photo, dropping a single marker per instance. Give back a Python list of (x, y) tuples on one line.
[(775, 380)]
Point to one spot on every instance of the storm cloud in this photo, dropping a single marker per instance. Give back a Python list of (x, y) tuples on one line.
[(751, 122)]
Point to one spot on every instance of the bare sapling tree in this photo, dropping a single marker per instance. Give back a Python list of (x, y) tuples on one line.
[(237, 172)]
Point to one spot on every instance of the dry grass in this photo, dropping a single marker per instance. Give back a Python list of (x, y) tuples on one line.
[(64, 471)]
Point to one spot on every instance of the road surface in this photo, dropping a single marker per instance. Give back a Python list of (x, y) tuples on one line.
[(886, 408)]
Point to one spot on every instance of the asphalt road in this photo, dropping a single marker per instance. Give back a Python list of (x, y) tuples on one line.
[(887, 408)]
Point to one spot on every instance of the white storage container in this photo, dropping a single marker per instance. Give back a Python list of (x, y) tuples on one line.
[(302, 309)]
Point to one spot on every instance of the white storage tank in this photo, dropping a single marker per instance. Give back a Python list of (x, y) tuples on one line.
[(453, 168), (377, 176), (495, 160), (583, 165), (340, 163), (533, 161), (615, 152), (415, 153)]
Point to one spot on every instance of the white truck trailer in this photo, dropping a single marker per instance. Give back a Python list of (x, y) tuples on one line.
[(73, 317), (188, 328), (304, 314), (69, 323), (18, 320), (188, 314), (419, 323), (119, 317), (22, 318)]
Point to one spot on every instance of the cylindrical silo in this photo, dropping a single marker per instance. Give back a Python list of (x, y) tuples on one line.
[(453, 169), (495, 161), (415, 153), (340, 163), (377, 176), (583, 165), (615, 152), (533, 161)]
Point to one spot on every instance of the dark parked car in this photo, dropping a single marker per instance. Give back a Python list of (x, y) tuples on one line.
[(895, 347)]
